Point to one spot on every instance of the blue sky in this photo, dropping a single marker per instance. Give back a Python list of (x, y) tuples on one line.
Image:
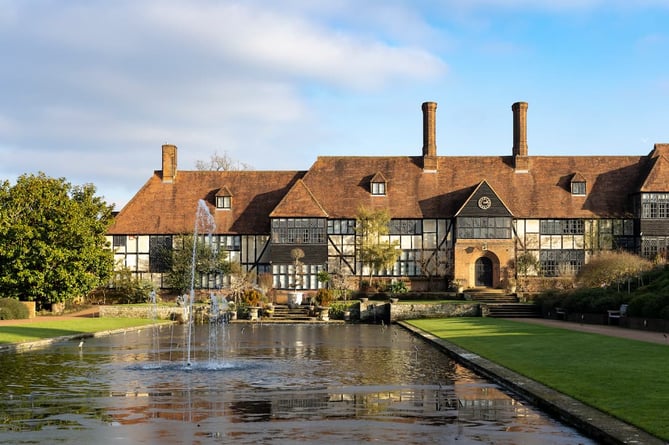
[(90, 90)]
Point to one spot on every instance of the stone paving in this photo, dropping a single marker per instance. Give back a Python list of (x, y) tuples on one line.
[(90, 312), (613, 331)]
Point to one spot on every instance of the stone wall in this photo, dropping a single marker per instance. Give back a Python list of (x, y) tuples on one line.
[(374, 311), (129, 311)]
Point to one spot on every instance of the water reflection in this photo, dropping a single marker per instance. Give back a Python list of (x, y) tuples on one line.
[(267, 383)]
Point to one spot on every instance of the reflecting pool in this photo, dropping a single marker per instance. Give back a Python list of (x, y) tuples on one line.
[(257, 384)]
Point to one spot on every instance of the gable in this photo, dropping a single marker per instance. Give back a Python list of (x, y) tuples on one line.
[(299, 202), (484, 201), (657, 179)]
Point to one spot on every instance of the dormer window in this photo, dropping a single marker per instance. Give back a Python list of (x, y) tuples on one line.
[(378, 188), (378, 185), (578, 185), (223, 202), (223, 199), (578, 188)]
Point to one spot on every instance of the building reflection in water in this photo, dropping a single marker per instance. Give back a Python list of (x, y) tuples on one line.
[(285, 383)]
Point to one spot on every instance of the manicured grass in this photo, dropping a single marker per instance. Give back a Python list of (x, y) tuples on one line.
[(39, 330), (626, 378)]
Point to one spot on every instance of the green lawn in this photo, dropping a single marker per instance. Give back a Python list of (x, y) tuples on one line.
[(39, 330), (626, 378)]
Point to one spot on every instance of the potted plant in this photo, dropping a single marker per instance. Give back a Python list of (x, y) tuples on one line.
[(458, 285), (511, 285), (324, 298), (251, 298), (232, 311), (396, 288)]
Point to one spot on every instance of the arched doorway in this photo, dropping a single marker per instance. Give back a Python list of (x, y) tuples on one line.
[(483, 271)]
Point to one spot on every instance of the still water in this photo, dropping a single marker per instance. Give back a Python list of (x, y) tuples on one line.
[(259, 384)]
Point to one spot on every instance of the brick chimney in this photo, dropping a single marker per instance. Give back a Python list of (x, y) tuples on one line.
[(169, 163), (429, 136), (521, 161)]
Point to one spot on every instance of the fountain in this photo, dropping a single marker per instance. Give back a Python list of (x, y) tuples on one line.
[(204, 223), (279, 383)]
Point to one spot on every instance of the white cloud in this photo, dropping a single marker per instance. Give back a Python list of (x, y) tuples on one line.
[(290, 45)]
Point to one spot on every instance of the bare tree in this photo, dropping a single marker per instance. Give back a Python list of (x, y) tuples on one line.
[(339, 277), (240, 280), (433, 263), (222, 162)]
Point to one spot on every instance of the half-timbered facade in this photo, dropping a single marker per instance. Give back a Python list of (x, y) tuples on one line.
[(463, 217)]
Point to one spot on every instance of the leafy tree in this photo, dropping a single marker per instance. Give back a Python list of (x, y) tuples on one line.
[(180, 263), (374, 250), (52, 239), (221, 163)]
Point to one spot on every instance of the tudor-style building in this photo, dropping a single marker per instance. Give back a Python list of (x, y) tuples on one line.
[(477, 214)]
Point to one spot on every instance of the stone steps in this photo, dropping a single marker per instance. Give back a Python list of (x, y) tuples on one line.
[(511, 310), (490, 296), (285, 313)]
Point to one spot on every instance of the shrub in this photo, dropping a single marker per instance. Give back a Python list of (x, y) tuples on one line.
[(12, 309), (251, 297), (585, 300), (129, 289), (338, 308), (397, 287), (324, 297), (608, 268), (655, 305)]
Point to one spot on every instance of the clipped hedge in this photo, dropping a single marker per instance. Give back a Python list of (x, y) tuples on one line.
[(649, 305), (12, 309), (648, 299), (586, 300)]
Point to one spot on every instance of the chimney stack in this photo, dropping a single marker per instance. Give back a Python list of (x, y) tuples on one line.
[(429, 136), (521, 161), (169, 163), (519, 128)]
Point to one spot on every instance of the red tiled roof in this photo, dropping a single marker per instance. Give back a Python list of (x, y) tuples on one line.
[(336, 187), (169, 208), (340, 185)]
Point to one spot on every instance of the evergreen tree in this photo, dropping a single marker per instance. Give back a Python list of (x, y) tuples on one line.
[(52, 239)]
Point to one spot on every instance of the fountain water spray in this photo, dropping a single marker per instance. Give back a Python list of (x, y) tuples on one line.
[(155, 328), (204, 223)]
